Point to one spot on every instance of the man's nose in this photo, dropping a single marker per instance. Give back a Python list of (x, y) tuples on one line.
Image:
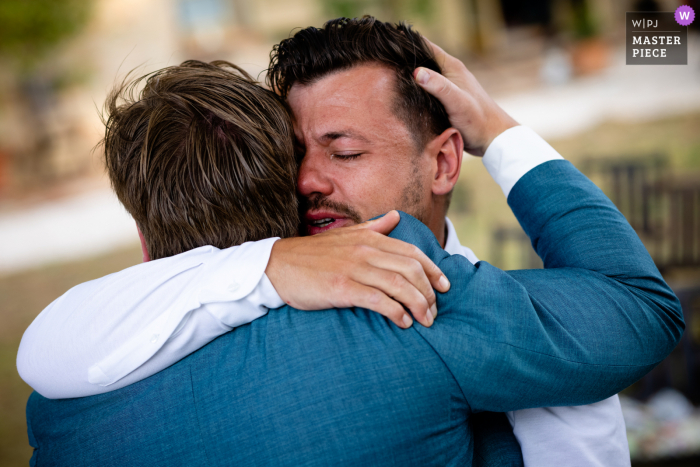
[(312, 179)]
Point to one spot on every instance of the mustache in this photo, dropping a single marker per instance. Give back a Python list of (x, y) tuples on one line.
[(321, 202)]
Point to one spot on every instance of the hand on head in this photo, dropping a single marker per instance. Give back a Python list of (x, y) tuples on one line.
[(358, 266), (470, 109)]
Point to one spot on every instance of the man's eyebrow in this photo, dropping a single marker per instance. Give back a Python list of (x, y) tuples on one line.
[(333, 135)]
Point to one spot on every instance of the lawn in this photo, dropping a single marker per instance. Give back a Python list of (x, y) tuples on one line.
[(24, 295)]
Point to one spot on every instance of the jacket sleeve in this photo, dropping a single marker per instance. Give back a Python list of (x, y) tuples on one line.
[(596, 319)]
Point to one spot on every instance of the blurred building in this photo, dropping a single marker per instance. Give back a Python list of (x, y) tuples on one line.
[(48, 119)]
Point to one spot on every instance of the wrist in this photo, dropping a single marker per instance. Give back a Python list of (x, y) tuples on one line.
[(275, 266), (278, 249), (496, 127), (515, 152), (283, 268)]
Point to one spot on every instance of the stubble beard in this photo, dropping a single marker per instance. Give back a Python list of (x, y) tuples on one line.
[(412, 195)]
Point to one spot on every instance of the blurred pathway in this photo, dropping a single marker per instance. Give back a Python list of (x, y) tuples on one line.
[(80, 226), (622, 93), (94, 222)]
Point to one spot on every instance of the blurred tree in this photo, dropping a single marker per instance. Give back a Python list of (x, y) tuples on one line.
[(584, 22), (30, 32), (386, 10), (29, 29)]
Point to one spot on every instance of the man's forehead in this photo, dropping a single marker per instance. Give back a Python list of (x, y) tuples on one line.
[(332, 106), (348, 87), (328, 132)]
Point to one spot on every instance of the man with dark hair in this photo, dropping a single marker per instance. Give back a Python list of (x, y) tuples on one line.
[(364, 124), (372, 62), (312, 54), (505, 341)]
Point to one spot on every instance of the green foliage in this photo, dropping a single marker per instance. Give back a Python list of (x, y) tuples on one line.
[(386, 10), (461, 198), (422, 8), (693, 157), (584, 22), (29, 29), (345, 8)]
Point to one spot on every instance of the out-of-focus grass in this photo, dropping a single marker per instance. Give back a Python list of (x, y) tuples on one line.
[(22, 297), (485, 206), (478, 207)]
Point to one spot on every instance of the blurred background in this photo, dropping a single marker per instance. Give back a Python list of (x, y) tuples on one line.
[(555, 65)]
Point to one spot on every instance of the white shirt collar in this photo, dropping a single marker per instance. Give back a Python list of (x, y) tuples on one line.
[(452, 245)]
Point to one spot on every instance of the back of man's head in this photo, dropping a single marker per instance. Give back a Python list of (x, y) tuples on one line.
[(202, 155), (343, 43)]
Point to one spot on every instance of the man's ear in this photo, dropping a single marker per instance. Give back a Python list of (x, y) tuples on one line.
[(144, 248), (446, 149)]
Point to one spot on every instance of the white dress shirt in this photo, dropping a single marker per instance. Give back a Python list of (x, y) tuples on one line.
[(111, 332)]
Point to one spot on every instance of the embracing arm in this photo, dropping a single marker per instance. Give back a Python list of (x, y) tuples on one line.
[(149, 316), (594, 321), (597, 318), (512, 152), (117, 330)]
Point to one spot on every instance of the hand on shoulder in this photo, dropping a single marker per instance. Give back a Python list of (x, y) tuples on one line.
[(358, 266)]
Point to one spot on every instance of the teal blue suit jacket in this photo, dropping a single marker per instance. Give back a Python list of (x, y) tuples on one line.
[(347, 387)]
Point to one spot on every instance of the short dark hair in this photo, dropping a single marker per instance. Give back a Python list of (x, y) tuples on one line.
[(202, 155), (343, 43)]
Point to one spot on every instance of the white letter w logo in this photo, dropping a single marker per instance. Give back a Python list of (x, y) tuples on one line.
[(685, 15)]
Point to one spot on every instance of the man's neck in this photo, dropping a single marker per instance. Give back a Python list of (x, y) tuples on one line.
[(439, 229), (434, 218)]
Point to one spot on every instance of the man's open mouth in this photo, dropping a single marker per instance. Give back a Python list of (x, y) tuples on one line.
[(325, 222), (319, 221)]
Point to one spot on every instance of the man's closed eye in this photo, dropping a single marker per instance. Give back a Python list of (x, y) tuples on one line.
[(345, 157)]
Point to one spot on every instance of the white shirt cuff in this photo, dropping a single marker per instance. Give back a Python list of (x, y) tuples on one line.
[(234, 275), (514, 153)]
